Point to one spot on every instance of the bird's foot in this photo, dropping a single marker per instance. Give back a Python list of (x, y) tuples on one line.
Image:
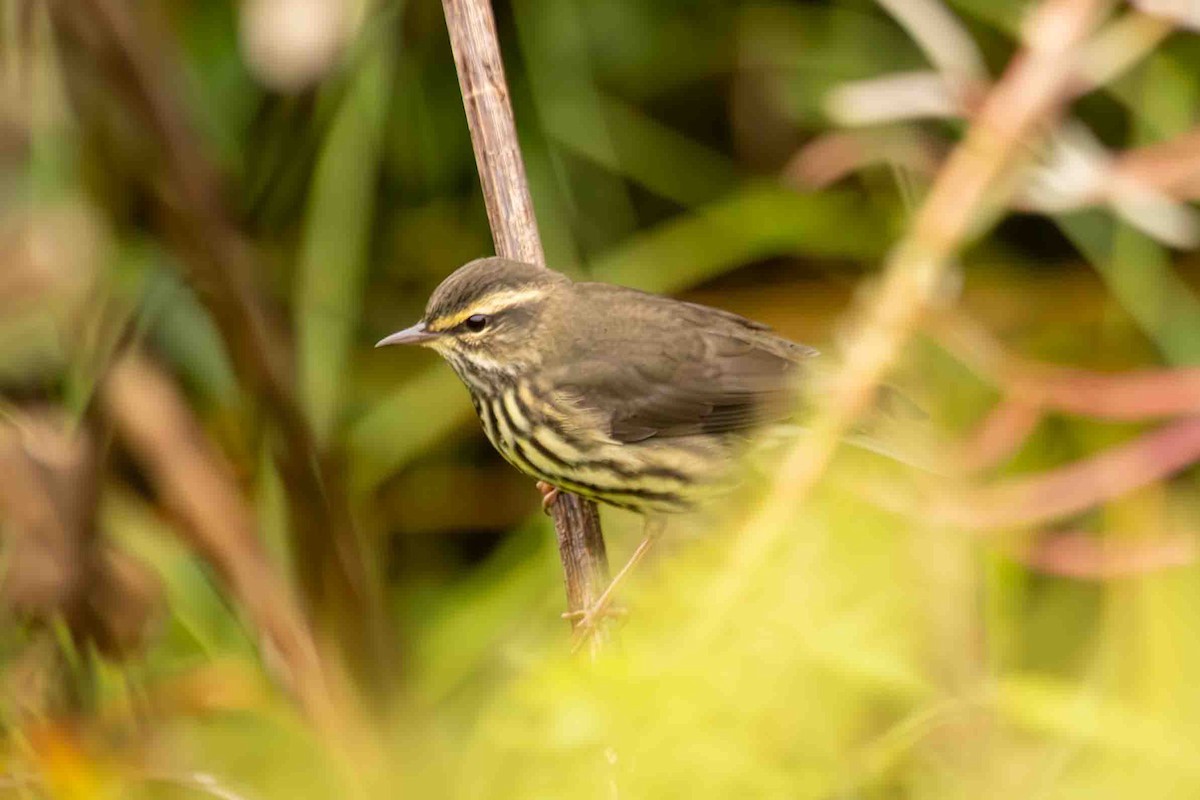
[(589, 616), (588, 620), (587, 623), (549, 495)]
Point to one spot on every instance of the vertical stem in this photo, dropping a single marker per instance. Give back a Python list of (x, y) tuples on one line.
[(514, 229)]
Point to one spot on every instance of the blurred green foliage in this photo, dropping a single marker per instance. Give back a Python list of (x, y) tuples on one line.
[(876, 655)]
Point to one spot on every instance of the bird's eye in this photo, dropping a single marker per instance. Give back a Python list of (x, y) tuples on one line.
[(477, 322)]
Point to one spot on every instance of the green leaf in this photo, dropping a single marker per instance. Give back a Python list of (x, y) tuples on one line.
[(756, 222), (404, 424), (333, 254)]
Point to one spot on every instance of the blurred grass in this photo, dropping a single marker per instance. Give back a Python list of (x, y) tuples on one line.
[(874, 655)]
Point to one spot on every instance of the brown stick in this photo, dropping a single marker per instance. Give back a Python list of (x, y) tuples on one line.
[(514, 229)]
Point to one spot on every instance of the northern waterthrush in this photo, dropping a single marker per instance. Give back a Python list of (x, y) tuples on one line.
[(631, 399), (628, 398)]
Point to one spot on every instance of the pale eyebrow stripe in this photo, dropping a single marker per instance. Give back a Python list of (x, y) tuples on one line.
[(491, 304)]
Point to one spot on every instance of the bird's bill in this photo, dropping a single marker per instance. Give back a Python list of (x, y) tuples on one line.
[(417, 334)]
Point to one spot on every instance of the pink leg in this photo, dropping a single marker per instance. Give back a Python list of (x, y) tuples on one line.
[(549, 495)]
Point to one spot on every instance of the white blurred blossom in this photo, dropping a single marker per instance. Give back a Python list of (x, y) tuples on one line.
[(899, 96), (291, 44), (1078, 172)]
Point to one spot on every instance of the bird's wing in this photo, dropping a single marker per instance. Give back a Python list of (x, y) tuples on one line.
[(687, 381)]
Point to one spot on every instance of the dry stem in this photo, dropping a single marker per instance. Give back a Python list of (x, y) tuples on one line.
[(514, 229), (152, 417)]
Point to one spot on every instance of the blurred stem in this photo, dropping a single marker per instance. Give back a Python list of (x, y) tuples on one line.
[(1119, 46), (114, 69), (966, 194), (152, 416)]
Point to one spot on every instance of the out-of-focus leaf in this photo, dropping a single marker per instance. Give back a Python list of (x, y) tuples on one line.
[(479, 610), (1072, 712), (333, 255), (632, 144), (185, 333), (225, 94), (401, 426), (752, 223), (431, 151), (201, 622), (554, 42), (833, 43), (1004, 16), (627, 41), (546, 187)]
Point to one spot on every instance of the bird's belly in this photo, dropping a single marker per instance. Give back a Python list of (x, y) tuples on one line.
[(643, 477)]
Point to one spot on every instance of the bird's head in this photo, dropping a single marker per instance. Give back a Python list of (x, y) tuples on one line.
[(485, 319)]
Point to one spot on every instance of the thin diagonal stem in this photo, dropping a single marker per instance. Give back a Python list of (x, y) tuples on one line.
[(967, 192)]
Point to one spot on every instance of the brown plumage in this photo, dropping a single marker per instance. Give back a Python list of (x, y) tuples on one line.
[(629, 398)]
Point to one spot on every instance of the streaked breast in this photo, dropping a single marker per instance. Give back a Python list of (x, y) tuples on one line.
[(555, 445)]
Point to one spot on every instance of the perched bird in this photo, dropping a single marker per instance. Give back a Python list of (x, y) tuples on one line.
[(631, 399)]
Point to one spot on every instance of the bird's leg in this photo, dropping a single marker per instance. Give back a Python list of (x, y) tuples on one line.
[(599, 609), (549, 495)]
